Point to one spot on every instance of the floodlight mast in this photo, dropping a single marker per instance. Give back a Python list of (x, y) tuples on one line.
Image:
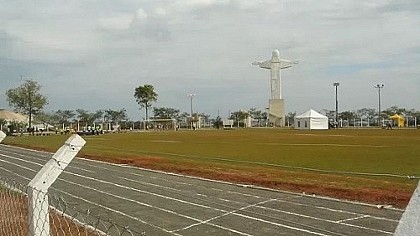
[(191, 96), (336, 84), (379, 87)]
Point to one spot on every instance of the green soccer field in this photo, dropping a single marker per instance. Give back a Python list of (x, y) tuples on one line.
[(349, 159)]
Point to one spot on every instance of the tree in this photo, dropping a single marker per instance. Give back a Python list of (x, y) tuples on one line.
[(45, 118), (27, 99), (256, 114), (217, 122), (395, 110), (165, 113), (64, 116), (366, 113), (145, 95), (290, 117), (239, 116), (329, 113), (88, 117), (347, 115), (115, 116)]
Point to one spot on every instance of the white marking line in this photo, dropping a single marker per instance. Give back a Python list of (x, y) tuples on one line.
[(323, 144), (216, 208), (96, 204), (335, 210), (244, 194), (278, 200), (41, 159), (137, 174), (146, 183), (280, 225), (168, 211), (296, 204), (105, 168), (225, 200), (223, 215), (135, 201), (340, 222), (354, 218), (164, 141)]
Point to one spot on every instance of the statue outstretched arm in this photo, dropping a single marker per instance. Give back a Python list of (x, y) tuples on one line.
[(286, 64), (263, 64)]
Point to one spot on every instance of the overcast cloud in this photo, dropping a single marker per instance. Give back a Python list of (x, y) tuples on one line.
[(92, 54)]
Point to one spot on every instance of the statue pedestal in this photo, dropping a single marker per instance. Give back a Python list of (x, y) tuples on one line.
[(276, 112)]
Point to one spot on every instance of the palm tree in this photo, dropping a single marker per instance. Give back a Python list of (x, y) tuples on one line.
[(145, 95)]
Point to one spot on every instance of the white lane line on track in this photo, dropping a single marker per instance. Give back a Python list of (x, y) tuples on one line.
[(73, 167), (121, 186), (223, 215), (292, 202), (140, 203), (340, 222), (354, 218), (146, 183), (244, 194), (139, 175), (96, 204), (335, 210)]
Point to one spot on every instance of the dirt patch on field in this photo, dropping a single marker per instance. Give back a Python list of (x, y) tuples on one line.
[(342, 187)]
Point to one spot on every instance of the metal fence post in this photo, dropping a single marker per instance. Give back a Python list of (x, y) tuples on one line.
[(410, 220), (2, 136), (38, 187)]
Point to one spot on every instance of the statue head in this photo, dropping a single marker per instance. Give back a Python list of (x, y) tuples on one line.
[(275, 56)]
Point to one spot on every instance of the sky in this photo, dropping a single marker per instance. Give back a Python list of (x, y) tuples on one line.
[(93, 54)]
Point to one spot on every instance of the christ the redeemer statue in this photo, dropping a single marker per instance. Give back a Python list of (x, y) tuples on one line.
[(275, 65)]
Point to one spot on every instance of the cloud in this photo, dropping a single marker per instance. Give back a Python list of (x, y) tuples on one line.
[(120, 22), (100, 51)]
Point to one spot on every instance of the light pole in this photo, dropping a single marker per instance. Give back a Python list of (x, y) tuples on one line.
[(379, 87), (336, 84), (191, 96)]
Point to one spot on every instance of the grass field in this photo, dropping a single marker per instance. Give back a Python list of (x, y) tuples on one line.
[(315, 162)]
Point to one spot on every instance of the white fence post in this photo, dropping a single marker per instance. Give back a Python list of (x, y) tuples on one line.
[(2, 136), (410, 220), (39, 224)]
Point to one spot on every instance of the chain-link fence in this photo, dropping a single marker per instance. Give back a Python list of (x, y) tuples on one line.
[(64, 219)]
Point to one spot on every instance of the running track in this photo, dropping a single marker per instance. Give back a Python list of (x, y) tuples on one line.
[(159, 203)]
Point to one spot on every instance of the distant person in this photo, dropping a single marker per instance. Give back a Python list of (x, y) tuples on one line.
[(389, 126)]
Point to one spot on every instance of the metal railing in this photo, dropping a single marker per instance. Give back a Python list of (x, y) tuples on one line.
[(32, 210), (64, 218)]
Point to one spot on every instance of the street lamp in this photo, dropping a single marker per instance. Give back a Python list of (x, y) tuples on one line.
[(379, 87), (191, 96), (336, 84)]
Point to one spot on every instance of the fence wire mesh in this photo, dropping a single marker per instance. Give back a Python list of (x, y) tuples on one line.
[(64, 219)]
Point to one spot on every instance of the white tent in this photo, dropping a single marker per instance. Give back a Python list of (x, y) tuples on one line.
[(311, 120)]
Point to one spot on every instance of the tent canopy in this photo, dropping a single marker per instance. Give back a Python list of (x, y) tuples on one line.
[(311, 120), (311, 113), (399, 119), (10, 116)]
